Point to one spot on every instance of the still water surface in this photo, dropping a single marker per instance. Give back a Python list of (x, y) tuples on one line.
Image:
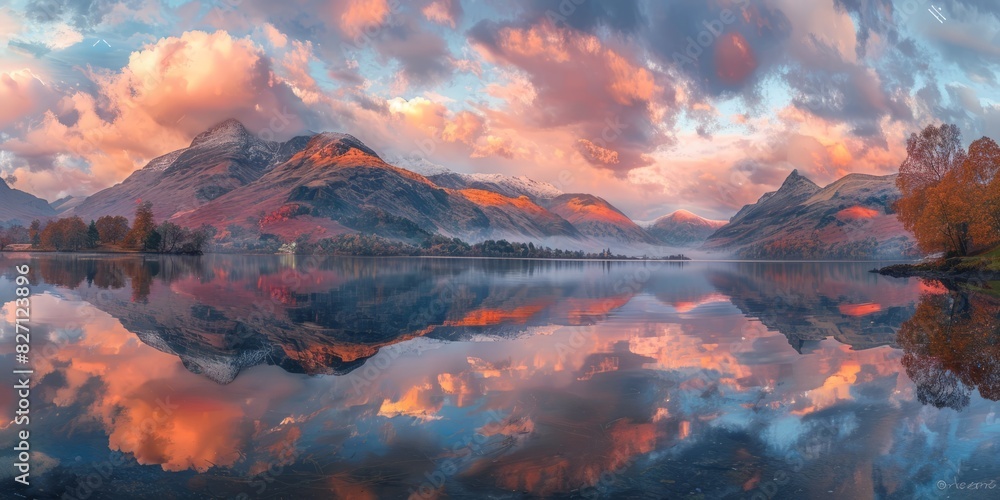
[(296, 377)]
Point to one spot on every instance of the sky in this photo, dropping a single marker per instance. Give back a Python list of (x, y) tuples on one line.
[(653, 105)]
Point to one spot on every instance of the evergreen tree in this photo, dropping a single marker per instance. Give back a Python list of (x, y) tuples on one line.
[(153, 240), (93, 236), (35, 232)]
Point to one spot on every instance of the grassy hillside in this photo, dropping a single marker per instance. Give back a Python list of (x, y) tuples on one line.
[(986, 261), (984, 266)]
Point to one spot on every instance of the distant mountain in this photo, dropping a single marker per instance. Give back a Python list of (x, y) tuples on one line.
[(328, 184), (683, 229), (66, 203), (416, 164), (18, 207), (808, 302), (851, 218), (337, 184), (223, 158), (506, 185), (598, 219)]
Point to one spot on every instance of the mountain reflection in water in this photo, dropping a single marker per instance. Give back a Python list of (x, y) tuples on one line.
[(290, 376)]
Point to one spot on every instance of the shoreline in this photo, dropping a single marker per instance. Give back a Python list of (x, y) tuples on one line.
[(951, 269), (898, 262)]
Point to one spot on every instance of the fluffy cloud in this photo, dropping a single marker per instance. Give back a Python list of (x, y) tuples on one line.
[(724, 47), (642, 101), (167, 93), (23, 94), (362, 15), (592, 91), (423, 56), (465, 127), (151, 407), (448, 12), (275, 37)]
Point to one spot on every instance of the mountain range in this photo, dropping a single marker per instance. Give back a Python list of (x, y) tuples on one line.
[(219, 160), (851, 218), (326, 184)]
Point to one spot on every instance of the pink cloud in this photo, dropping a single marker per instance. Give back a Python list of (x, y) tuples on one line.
[(295, 63), (169, 91), (465, 127), (444, 12), (23, 94), (583, 87), (493, 145), (274, 37), (597, 154), (363, 14)]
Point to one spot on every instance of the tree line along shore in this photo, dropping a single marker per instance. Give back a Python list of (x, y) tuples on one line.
[(114, 234)]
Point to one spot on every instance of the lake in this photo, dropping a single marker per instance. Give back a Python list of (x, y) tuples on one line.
[(304, 377)]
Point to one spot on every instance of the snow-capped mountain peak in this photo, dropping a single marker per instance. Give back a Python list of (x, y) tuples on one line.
[(416, 164), (507, 185)]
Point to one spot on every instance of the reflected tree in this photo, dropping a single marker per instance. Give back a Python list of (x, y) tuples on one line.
[(952, 347), (107, 273)]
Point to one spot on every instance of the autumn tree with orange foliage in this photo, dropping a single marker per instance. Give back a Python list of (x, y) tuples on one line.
[(142, 227), (112, 229), (950, 198), (982, 191)]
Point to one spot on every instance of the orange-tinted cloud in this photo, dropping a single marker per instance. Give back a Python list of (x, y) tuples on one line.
[(363, 14), (418, 401), (611, 100), (598, 154), (23, 93), (151, 406), (465, 127), (492, 145), (168, 92), (444, 12), (734, 58)]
